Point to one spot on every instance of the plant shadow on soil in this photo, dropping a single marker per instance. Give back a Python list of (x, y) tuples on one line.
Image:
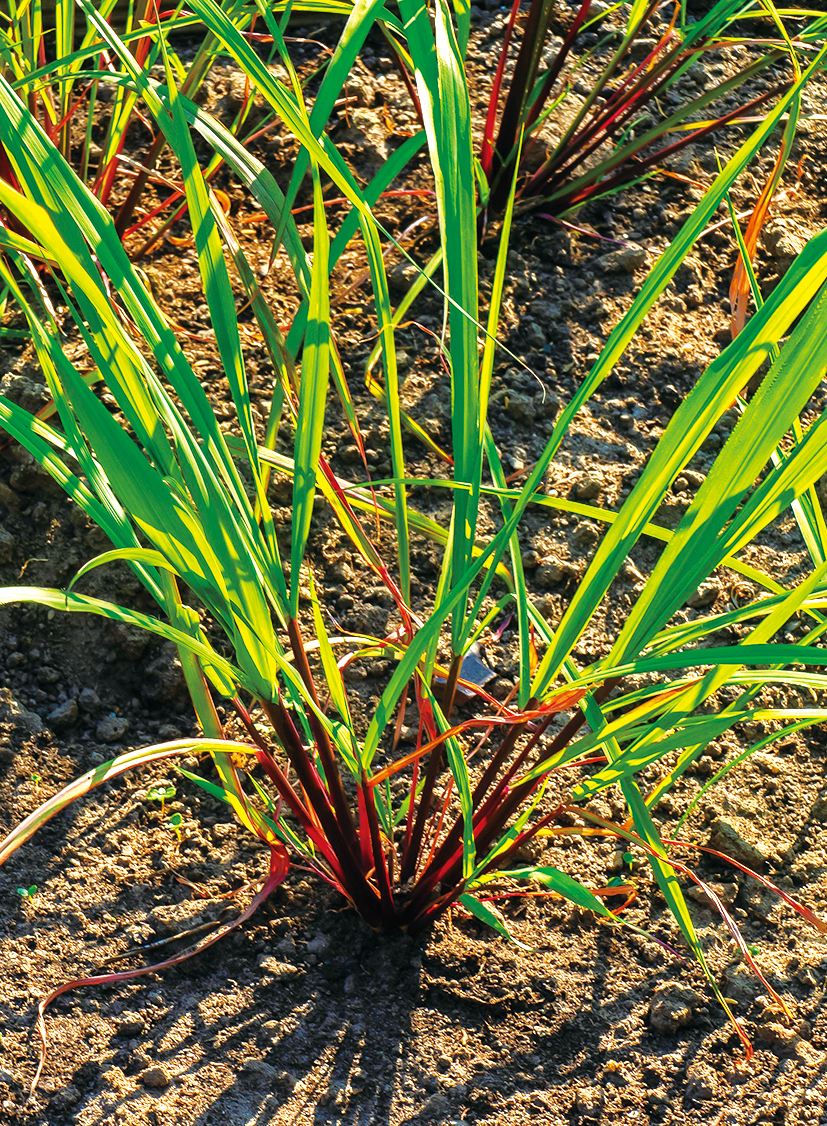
[(304, 1015), (307, 1016)]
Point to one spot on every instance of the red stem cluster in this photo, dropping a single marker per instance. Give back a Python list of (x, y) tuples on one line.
[(353, 850)]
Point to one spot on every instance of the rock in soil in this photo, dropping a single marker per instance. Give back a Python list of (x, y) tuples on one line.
[(673, 1007), (157, 1076), (725, 838), (111, 729), (623, 261), (702, 1082), (65, 715), (16, 716), (130, 1024)]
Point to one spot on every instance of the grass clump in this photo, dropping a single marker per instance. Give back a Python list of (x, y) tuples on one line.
[(628, 103), (406, 836)]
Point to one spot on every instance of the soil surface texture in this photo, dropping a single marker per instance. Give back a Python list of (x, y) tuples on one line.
[(304, 1016)]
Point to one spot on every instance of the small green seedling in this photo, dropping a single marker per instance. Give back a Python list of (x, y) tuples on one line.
[(27, 893), (37, 779), (753, 948), (175, 823), (162, 793)]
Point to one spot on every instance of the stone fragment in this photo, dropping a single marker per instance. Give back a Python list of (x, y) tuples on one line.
[(130, 1024), (64, 715), (741, 985), (702, 1082), (236, 92), (65, 1098), (705, 595), (111, 729), (88, 700), (777, 1035), (437, 1106), (725, 838), (767, 763), (286, 945), (782, 240), (260, 1069), (520, 406), (19, 717), (673, 1007), (7, 545), (552, 571), (157, 1077), (319, 944), (588, 488), (129, 640), (545, 313), (727, 893), (624, 260), (535, 338), (588, 1101), (584, 537), (402, 277), (29, 476)]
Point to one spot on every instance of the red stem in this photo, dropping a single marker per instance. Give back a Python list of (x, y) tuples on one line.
[(597, 110), (492, 817), (354, 880), (440, 906), (487, 147), (325, 748), (631, 170), (380, 867), (525, 69)]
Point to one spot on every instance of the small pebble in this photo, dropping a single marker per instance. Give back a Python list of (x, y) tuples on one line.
[(260, 1068), (673, 1007), (111, 729), (130, 1024), (155, 1077), (704, 596), (702, 1082), (588, 488), (625, 260), (725, 838), (319, 944), (64, 715), (88, 700)]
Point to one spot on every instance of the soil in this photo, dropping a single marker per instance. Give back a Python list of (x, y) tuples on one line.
[(304, 1015)]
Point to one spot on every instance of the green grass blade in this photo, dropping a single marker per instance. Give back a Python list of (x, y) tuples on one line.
[(686, 431), (313, 396), (443, 93), (82, 604), (107, 772)]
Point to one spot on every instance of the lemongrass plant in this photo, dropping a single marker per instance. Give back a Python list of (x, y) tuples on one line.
[(405, 837), (72, 83), (591, 133)]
